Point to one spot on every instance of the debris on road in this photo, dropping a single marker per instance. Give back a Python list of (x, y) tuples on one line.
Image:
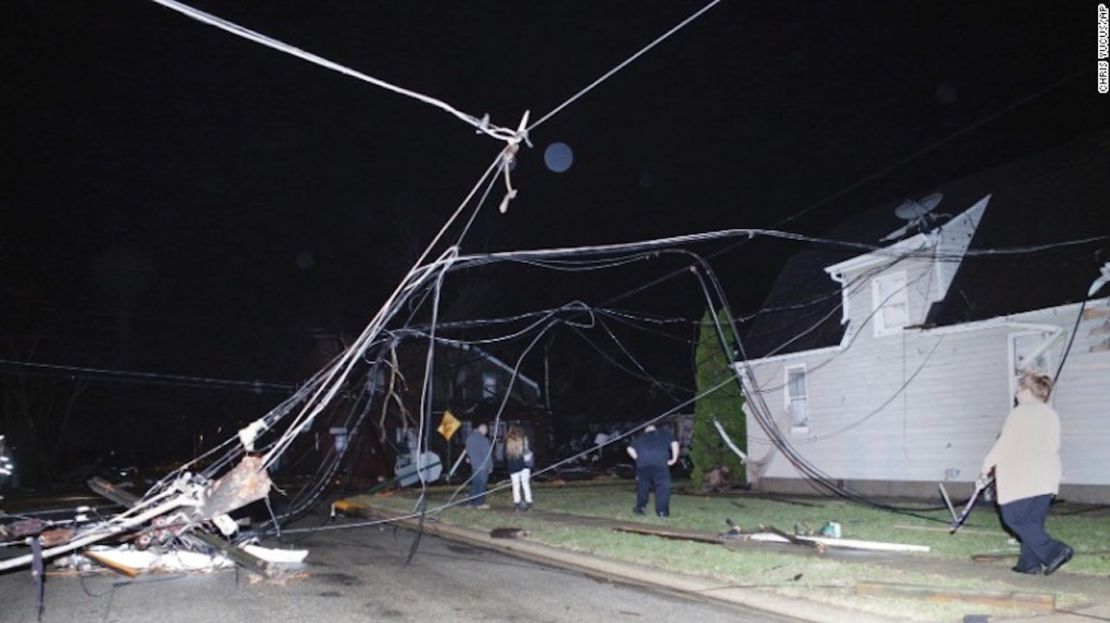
[(171, 529), (134, 562)]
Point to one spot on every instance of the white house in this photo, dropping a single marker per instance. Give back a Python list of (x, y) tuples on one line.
[(893, 370)]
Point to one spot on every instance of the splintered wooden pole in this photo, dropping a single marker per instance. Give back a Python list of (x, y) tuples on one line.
[(1038, 602), (128, 499)]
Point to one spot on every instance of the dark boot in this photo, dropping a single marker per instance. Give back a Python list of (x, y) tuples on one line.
[(1057, 562)]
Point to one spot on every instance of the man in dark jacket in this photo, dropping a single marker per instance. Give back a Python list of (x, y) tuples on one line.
[(654, 452), (478, 453)]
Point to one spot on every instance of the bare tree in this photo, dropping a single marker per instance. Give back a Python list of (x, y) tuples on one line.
[(36, 411)]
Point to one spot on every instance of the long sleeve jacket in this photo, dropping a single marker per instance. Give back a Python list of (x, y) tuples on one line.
[(1026, 456)]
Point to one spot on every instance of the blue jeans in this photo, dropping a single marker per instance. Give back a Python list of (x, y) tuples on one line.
[(478, 488)]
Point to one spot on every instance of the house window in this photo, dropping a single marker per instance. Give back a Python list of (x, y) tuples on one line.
[(797, 397), (889, 303), (489, 386), (1032, 351)]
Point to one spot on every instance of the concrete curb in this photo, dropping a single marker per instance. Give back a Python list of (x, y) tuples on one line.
[(696, 587)]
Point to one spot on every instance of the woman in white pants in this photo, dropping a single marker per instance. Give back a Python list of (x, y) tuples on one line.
[(519, 458)]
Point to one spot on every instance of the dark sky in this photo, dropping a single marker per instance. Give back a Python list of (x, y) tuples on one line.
[(179, 200)]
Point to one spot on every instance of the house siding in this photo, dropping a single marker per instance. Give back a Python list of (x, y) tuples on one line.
[(956, 395)]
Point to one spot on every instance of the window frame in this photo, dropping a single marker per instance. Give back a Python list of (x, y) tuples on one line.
[(788, 399), (878, 303)]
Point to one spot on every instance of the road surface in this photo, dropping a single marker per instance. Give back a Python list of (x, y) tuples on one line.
[(360, 575)]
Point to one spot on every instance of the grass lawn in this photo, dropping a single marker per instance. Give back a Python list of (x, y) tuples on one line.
[(830, 578), (1087, 532)]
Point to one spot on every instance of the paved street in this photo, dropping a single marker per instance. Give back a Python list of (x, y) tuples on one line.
[(359, 575)]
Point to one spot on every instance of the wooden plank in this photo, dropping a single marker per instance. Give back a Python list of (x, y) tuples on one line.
[(1039, 602), (668, 533), (878, 546), (113, 564)]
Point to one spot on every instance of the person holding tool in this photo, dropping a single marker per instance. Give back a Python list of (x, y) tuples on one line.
[(1026, 464)]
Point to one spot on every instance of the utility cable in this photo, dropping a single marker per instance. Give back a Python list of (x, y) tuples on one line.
[(9, 366), (623, 64), (481, 125)]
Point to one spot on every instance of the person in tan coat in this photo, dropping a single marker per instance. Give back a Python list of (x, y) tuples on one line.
[(1026, 464)]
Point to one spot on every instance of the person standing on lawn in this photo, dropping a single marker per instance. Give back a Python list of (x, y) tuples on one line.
[(478, 454), (1026, 464), (654, 452), (519, 458)]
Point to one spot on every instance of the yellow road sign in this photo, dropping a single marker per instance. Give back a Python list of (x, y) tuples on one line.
[(449, 425)]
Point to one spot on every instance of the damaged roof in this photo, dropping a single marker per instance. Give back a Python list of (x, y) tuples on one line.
[(1058, 195)]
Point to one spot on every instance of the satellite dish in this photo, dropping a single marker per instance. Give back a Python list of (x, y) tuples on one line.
[(912, 209), (917, 213)]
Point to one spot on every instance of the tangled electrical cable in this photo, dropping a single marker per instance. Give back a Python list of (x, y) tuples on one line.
[(298, 413), (431, 279)]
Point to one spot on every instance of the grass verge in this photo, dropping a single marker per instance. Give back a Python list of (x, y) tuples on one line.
[(830, 578)]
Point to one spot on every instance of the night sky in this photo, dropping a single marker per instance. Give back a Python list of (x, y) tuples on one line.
[(181, 201)]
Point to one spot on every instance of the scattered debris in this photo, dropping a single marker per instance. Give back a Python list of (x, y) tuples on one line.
[(277, 556), (25, 528), (509, 533), (57, 536), (168, 530), (734, 530), (831, 529), (790, 538), (132, 562), (804, 530), (768, 534)]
